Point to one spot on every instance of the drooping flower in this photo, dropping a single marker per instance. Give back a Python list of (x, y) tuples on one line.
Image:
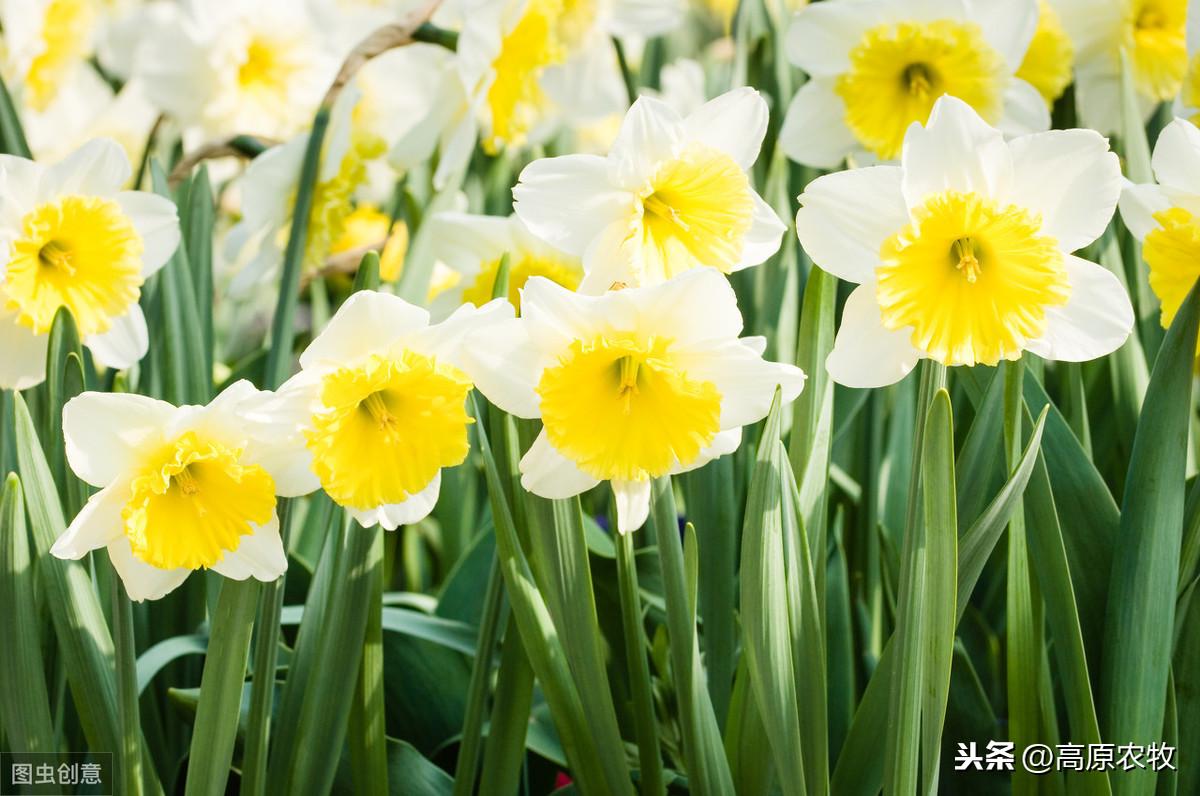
[(630, 385), (181, 488), (1165, 216), (877, 66), (673, 194), (1048, 61), (473, 245), (73, 238), (962, 253), (379, 406), (255, 67), (1152, 35)]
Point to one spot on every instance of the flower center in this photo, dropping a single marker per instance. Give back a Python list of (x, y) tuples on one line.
[(1047, 62), (1172, 253), (515, 97), (1157, 43), (78, 252), (972, 278), (194, 503), (695, 212), (897, 72), (65, 30), (269, 65), (623, 408), (562, 271), (387, 427)]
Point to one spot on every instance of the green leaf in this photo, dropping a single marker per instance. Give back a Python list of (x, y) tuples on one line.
[(198, 220), (1146, 560), (504, 752), (1187, 694), (25, 708), (64, 380), (12, 137)]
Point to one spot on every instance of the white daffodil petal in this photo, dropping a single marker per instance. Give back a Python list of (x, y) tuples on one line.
[(1025, 110), (505, 364), (105, 433), (450, 339), (1095, 321), (98, 168), (814, 130), (1071, 178), (1008, 27), (724, 442), (844, 218), (567, 201), (865, 354), (651, 133), (157, 223), (369, 320), (142, 581), (1138, 205), (762, 239), (392, 516), (259, 555), (98, 523), (1098, 98), (547, 473), (746, 381), (734, 123), (23, 364), (1176, 158), (124, 344), (633, 504), (696, 306), (820, 37), (955, 151)]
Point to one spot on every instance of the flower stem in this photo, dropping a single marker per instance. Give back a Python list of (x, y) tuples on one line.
[(649, 756)]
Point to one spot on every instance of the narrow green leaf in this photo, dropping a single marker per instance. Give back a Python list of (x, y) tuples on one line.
[(1146, 561), (64, 380), (12, 137), (504, 753), (367, 735), (1187, 695), (466, 767), (198, 221), (25, 708), (646, 726)]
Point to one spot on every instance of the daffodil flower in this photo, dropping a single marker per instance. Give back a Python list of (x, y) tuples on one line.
[(1050, 57), (379, 406), (962, 253), (71, 237), (631, 385), (1165, 217), (1150, 32), (471, 246), (672, 194), (181, 488), (45, 42), (253, 67), (877, 66)]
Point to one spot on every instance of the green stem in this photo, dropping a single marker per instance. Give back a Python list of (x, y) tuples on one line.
[(631, 89), (129, 771), (467, 767), (368, 730), (221, 689), (649, 756)]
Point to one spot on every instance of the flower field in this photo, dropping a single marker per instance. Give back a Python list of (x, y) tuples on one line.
[(599, 396)]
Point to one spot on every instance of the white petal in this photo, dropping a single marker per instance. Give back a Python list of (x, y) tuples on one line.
[(368, 321), (1098, 99), (734, 123), (1071, 178), (645, 17), (124, 344), (98, 523), (693, 308), (1095, 321), (156, 221), (275, 422), (633, 504), (547, 473), (762, 239), (865, 354), (651, 133), (142, 581), (23, 364), (820, 37), (466, 241), (955, 151), (814, 131), (505, 365), (1025, 110), (567, 201), (1138, 205), (104, 433), (1008, 26), (260, 555), (556, 315), (844, 219), (392, 516), (98, 168), (724, 442), (746, 381), (449, 339), (1176, 157)]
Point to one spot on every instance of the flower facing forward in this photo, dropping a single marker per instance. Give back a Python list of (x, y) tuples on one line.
[(181, 488), (379, 406), (471, 247), (877, 66), (631, 385), (963, 252), (1165, 217), (672, 195), (1152, 35), (71, 237)]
